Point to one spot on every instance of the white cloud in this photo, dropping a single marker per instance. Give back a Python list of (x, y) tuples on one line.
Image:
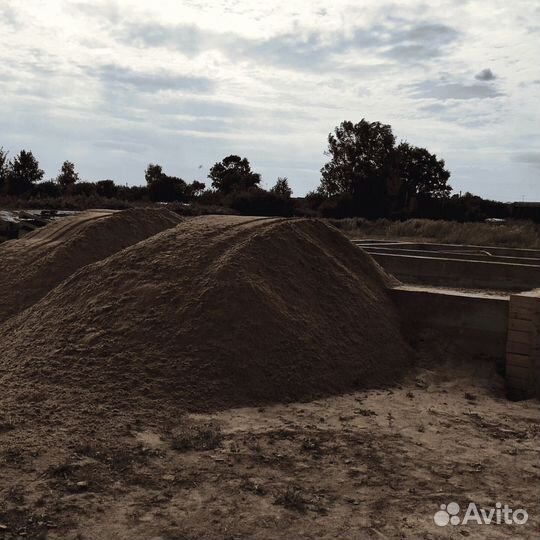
[(115, 84)]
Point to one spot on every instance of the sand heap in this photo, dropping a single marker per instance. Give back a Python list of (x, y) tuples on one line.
[(216, 312), (32, 266)]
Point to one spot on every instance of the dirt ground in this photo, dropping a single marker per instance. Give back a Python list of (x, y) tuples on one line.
[(375, 464)]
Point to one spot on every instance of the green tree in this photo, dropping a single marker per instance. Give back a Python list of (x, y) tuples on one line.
[(47, 189), (153, 173), (4, 169), (281, 188), (421, 174), (362, 159), (106, 188), (67, 176), (232, 174), (24, 173), (164, 188), (195, 189), (85, 189)]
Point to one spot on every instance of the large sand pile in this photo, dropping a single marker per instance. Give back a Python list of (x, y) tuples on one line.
[(32, 266), (216, 312)]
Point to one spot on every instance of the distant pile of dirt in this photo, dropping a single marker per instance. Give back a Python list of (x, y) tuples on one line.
[(216, 312), (34, 265)]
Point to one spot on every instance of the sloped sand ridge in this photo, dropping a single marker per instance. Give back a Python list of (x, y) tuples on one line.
[(31, 266), (214, 313)]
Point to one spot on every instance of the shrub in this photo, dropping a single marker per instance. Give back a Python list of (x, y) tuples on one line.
[(338, 206), (46, 189), (196, 436), (106, 188), (258, 202)]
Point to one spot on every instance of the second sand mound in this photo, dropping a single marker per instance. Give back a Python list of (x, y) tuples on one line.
[(216, 312), (32, 266)]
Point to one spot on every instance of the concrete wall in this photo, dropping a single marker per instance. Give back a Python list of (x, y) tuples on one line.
[(506, 329), (429, 246), (448, 272), (475, 321), (461, 255)]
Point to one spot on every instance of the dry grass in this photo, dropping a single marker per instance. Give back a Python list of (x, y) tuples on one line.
[(519, 234), (196, 436)]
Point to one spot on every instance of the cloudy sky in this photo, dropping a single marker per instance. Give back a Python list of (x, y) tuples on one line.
[(114, 85)]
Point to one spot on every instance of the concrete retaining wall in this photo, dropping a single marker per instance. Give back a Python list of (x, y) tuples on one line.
[(477, 322), (429, 246), (448, 272), (506, 329), (461, 255)]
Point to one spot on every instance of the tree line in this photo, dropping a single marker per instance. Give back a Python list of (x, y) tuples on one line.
[(367, 175), (233, 185)]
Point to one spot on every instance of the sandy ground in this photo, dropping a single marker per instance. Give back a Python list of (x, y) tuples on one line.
[(33, 265), (375, 464)]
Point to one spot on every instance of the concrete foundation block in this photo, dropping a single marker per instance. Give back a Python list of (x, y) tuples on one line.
[(523, 346)]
